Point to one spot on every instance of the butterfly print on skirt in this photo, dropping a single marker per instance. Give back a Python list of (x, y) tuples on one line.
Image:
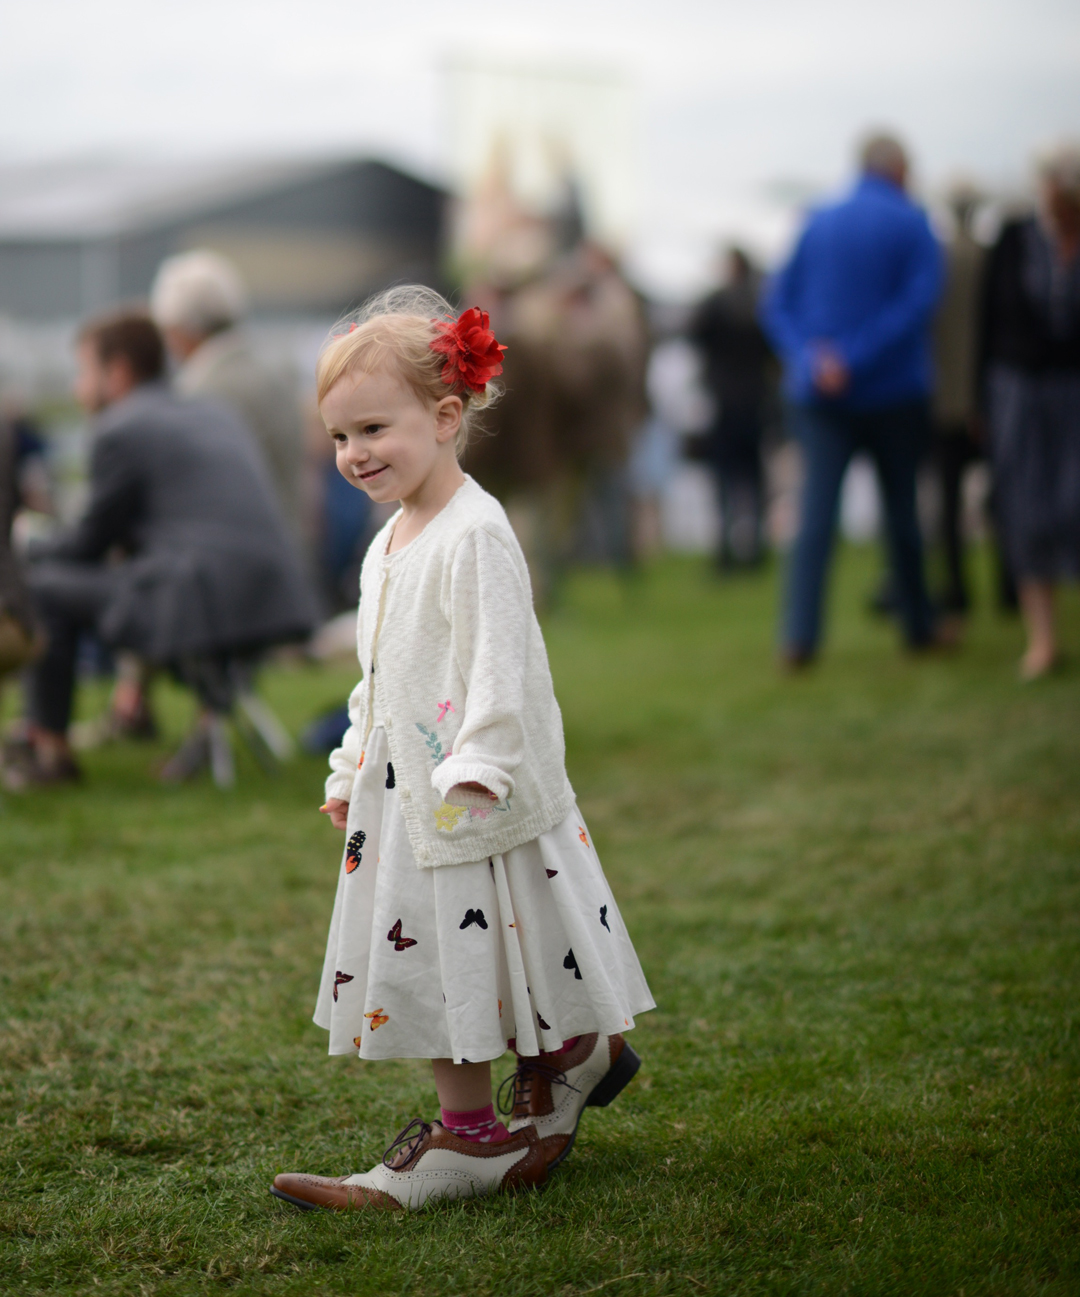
[(474, 916), (389, 774), (571, 962), (339, 980), (352, 850), (400, 942), (377, 1018), (603, 916)]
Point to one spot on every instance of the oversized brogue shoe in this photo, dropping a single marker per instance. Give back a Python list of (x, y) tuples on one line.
[(426, 1163), (552, 1091)]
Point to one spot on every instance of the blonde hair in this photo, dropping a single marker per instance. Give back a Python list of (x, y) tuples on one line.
[(395, 330)]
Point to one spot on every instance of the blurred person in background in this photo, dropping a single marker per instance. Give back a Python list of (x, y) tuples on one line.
[(18, 640), (199, 302), (32, 484), (557, 453), (1030, 358), (736, 362), (342, 522), (850, 315), (599, 351), (182, 549), (957, 436)]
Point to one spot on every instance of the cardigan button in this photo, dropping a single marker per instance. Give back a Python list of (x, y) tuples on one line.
[(405, 794), (388, 723), (422, 853)]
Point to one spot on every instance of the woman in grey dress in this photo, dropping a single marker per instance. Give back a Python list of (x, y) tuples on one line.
[(1031, 352)]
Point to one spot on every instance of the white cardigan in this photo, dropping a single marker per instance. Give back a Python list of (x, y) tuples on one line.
[(449, 642)]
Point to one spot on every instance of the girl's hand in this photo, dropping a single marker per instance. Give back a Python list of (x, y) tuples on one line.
[(337, 810)]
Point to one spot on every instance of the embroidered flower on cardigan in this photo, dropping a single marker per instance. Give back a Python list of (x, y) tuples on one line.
[(447, 816)]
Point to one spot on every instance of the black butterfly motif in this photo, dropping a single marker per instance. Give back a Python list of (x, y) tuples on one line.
[(544, 1026), (552, 872), (571, 962), (603, 916), (389, 774), (400, 942), (339, 980), (352, 850), (473, 916)]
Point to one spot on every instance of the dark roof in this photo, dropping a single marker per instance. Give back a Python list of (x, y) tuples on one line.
[(90, 199)]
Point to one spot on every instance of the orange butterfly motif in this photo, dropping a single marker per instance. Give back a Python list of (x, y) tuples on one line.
[(352, 850), (582, 834), (378, 1018)]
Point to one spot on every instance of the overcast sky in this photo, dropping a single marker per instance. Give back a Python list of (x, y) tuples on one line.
[(731, 97)]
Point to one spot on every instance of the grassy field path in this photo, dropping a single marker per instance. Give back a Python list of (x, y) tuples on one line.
[(856, 895)]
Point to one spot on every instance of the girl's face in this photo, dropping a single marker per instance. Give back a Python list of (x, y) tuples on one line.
[(389, 443)]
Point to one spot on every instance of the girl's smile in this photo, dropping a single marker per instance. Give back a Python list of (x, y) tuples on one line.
[(393, 445)]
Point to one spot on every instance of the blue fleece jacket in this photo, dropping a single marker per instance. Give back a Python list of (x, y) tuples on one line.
[(865, 277)]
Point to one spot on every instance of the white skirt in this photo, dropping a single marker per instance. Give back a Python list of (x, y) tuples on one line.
[(453, 962)]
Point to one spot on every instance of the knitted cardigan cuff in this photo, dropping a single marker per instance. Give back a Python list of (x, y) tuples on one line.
[(460, 770), (340, 786)]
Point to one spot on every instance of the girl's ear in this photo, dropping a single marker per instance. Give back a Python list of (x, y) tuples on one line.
[(448, 416)]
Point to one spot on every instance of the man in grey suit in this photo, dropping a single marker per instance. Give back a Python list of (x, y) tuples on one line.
[(180, 492)]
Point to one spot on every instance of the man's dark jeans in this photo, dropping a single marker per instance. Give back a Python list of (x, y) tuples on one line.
[(68, 598), (895, 438)]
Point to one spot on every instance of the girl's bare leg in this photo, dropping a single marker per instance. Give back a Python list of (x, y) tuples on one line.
[(1037, 606), (462, 1087)]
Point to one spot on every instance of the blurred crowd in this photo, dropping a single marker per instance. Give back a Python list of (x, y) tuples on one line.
[(216, 528)]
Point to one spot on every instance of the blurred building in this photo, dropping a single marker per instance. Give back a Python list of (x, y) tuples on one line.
[(309, 238)]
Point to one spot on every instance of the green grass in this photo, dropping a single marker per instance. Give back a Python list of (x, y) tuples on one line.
[(856, 895)]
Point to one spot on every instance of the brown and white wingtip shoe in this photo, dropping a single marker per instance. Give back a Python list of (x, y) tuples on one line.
[(426, 1163), (551, 1092)]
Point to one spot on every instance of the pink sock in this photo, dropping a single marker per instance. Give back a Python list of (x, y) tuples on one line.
[(481, 1125), (567, 1044)]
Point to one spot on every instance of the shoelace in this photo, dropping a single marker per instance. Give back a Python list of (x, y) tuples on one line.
[(518, 1085), (411, 1138)]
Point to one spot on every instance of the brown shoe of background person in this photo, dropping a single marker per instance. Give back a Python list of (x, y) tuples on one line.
[(426, 1163), (25, 764), (553, 1090), (793, 661), (947, 637)]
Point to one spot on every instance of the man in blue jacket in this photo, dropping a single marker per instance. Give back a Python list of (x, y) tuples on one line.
[(850, 314)]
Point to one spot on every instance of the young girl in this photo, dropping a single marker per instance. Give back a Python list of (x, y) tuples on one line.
[(472, 914)]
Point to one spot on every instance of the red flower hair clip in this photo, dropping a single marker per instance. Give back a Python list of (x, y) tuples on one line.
[(473, 357)]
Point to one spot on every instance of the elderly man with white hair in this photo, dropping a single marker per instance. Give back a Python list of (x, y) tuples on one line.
[(198, 301)]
